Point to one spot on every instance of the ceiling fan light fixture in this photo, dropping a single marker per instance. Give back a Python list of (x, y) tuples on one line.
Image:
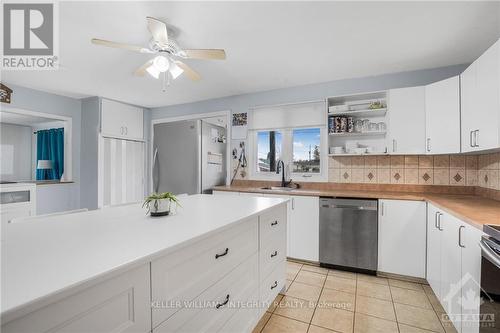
[(175, 70), (161, 63), (153, 71)]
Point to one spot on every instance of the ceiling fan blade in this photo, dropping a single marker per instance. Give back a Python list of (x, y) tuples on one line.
[(158, 29), (215, 54), (120, 45), (191, 73), (141, 71)]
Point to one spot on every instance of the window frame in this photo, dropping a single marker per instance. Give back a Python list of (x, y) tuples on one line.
[(287, 156)]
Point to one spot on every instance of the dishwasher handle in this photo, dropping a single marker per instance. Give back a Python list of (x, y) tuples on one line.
[(349, 207)]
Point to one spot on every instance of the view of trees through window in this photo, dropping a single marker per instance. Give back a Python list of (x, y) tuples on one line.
[(306, 150), (268, 150)]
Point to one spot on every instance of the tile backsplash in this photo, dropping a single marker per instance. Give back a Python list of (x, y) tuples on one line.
[(461, 170)]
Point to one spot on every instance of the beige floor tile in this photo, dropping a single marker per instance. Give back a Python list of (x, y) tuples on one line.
[(273, 305), (410, 329), (447, 324), (418, 317), (317, 329), (295, 308), (427, 289), (368, 324), (315, 269), (342, 284), (373, 279), (294, 264), (410, 297), (304, 291), (334, 319), (436, 305), (337, 299), (314, 279), (405, 284), (375, 307), (262, 322), (374, 290), (292, 270), (279, 324), (342, 274)]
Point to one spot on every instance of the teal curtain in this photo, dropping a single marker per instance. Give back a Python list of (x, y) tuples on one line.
[(50, 146)]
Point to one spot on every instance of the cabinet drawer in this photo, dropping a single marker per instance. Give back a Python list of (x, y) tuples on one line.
[(272, 284), (272, 254), (206, 313), (120, 304), (185, 274), (271, 223)]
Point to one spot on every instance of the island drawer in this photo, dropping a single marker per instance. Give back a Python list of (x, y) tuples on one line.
[(183, 275), (272, 254), (273, 284), (211, 310), (272, 223), (120, 303)]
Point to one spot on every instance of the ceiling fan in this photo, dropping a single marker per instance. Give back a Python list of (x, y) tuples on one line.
[(166, 63)]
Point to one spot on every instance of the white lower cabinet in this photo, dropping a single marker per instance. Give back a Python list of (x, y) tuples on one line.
[(401, 237), (454, 267), (304, 228)]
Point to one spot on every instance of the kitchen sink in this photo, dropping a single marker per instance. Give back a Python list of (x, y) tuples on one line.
[(277, 188)]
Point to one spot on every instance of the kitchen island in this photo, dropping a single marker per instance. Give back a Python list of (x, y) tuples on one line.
[(116, 269)]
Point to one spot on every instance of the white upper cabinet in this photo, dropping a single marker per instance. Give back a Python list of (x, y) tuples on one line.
[(122, 121), (442, 116), (480, 94), (406, 121)]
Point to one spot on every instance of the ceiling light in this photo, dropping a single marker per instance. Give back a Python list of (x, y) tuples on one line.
[(161, 63), (175, 70), (153, 71)]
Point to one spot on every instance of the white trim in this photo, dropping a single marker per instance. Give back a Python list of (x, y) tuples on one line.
[(260, 106), (226, 113), (68, 136)]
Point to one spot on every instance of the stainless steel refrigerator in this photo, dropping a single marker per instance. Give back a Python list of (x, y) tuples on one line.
[(188, 156)]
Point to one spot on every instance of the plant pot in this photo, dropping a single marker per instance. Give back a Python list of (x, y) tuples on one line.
[(160, 207)]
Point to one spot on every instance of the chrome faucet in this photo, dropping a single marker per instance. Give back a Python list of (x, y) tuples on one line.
[(280, 167)]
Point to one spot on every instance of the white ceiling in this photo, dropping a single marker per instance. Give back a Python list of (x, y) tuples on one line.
[(269, 45)]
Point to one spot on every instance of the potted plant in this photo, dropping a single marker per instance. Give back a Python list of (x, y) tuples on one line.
[(160, 204)]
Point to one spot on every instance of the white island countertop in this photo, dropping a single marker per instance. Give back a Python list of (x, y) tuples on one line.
[(48, 256)]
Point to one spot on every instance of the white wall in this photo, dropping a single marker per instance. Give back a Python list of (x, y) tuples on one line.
[(15, 152)]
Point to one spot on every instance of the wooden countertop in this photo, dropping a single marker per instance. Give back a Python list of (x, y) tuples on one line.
[(472, 209)]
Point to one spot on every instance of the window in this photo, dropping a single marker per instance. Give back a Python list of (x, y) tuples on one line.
[(269, 150), (299, 148), (306, 150)]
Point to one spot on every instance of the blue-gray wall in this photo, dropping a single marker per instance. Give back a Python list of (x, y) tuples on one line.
[(241, 103), (59, 197)]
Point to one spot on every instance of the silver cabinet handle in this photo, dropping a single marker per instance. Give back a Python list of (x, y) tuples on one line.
[(436, 220), (476, 136), (460, 236), (470, 138), (394, 145), (439, 221), (428, 144), (382, 208), (293, 203)]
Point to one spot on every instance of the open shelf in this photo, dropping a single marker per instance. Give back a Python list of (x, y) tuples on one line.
[(360, 113), (357, 134)]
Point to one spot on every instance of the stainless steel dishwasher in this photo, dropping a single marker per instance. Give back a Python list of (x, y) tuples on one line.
[(348, 234)]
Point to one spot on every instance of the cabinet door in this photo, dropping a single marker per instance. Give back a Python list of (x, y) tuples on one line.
[(471, 271), (401, 237), (442, 116), (487, 103), (433, 250), (289, 221), (304, 228), (121, 120), (468, 106), (451, 260), (407, 121)]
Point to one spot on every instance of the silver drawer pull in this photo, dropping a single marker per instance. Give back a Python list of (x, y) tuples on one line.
[(274, 223), (274, 285), (223, 303), (274, 254), (223, 254)]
